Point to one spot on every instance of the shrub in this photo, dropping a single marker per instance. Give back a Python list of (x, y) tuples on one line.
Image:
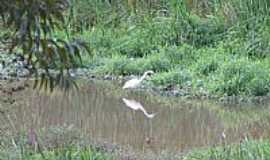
[(246, 150), (174, 77), (134, 45), (156, 62), (210, 59), (116, 65), (121, 65), (179, 54), (241, 76), (259, 85)]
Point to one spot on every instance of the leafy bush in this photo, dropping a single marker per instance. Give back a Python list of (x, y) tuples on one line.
[(179, 54), (218, 43), (257, 44), (121, 65), (259, 85), (156, 62), (208, 68), (209, 60), (141, 38), (135, 44), (240, 76), (115, 65), (247, 150), (203, 32), (173, 77), (33, 24), (67, 153)]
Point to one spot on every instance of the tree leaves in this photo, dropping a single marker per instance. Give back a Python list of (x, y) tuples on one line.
[(33, 22)]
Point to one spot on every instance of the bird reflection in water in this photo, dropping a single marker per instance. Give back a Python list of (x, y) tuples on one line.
[(137, 106), (149, 137)]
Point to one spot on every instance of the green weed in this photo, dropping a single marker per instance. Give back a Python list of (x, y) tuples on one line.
[(242, 76), (173, 77), (247, 150), (220, 46), (68, 153)]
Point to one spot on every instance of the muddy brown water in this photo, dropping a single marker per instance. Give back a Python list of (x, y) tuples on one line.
[(98, 112)]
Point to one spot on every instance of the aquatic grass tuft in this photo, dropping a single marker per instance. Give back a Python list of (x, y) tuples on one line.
[(68, 153), (173, 77), (246, 150), (240, 76)]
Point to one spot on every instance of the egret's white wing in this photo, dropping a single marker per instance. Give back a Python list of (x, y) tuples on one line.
[(132, 104), (133, 83)]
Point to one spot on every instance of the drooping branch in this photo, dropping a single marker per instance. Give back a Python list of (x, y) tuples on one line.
[(32, 23)]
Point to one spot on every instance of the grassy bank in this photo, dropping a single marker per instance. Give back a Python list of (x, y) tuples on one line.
[(210, 47), (246, 150), (56, 154)]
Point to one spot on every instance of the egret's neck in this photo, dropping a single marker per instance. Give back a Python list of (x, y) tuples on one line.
[(143, 77)]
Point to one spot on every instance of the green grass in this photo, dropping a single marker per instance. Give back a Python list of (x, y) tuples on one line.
[(248, 150), (245, 150), (219, 47), (211, 68), (68, 153)]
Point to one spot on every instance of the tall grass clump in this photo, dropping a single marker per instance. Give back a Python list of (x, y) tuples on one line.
[(177, 77), (222, 45), (242, 77), (180, 55), (68, 153), (247, 150), (122, 65)]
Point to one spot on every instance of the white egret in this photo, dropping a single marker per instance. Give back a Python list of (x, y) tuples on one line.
[(134, 83), (137, 106)]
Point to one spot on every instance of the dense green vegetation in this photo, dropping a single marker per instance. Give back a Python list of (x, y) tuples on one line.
[(247, 150), (57, 154), (28, 28), (213, 47), (207, 47), (243, 151)]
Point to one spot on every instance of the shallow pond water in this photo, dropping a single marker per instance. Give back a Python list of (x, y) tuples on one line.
[(98, 112)]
